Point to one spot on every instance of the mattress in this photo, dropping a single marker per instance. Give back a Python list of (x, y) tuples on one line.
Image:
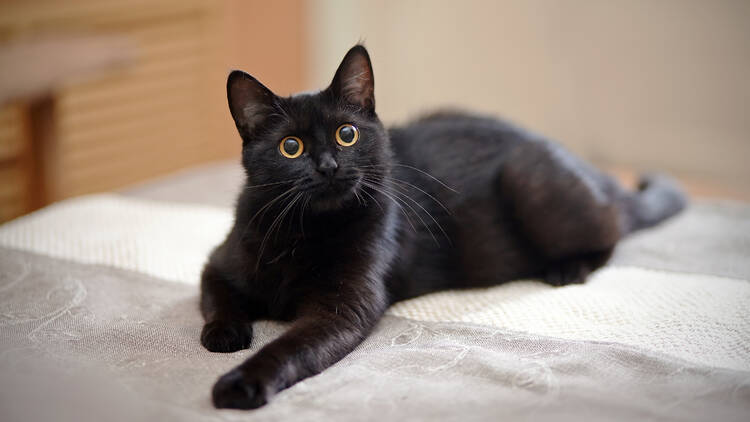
[(99, 319)]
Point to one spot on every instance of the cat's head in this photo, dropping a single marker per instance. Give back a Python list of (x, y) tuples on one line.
[(323, 145)]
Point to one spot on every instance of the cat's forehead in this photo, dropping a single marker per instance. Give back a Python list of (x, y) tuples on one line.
[(306, 110), (307, 102)]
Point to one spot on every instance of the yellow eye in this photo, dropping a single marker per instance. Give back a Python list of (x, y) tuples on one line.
[(347, 135), (291, 147)]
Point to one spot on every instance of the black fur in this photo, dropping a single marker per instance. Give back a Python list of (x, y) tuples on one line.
[(449, 201)]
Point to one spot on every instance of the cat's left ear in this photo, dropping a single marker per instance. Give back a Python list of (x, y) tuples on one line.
[(354, 82)]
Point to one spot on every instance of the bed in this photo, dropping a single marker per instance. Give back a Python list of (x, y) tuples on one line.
[(99, 321)]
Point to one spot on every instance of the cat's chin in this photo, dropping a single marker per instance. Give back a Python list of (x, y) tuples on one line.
[(325, 205)]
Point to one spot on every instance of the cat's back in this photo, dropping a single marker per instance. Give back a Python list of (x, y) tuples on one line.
[(446, 129), (455, 147)]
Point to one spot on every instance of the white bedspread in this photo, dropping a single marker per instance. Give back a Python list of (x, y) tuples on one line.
[(701, 318)]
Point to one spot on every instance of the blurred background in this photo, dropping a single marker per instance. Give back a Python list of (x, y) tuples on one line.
[(97, 95)]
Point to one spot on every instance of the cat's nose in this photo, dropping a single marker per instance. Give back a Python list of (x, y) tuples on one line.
[(327, 165)]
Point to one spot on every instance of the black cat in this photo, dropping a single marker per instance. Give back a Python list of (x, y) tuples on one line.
[(340, 218)]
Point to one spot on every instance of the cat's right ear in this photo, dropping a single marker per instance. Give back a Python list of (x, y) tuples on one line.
[(249, 101)]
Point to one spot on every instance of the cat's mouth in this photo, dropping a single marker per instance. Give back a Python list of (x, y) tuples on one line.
[(333, 193)]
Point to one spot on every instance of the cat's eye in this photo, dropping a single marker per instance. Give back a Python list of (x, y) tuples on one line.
[(291, 147), (347, 134)]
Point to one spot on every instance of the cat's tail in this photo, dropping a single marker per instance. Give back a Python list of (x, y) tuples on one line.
[(657, 198)]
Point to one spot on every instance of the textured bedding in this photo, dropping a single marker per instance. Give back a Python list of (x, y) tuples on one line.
[(99, 320)]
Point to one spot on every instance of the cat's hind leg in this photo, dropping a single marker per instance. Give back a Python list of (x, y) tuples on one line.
[(564, 207), (575, 269)]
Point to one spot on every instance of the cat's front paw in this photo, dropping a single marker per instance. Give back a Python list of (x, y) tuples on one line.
[(226, 336), (234, 390)]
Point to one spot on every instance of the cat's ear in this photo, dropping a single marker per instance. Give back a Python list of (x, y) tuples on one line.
[(249, 101), (354, 82)]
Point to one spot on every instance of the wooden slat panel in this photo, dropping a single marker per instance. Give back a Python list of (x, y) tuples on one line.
[(14, 177), (98, 173), (166, 126), (12, 191), (55, 14), (144, 120), (109, 119), (11, 132), (119, 90)]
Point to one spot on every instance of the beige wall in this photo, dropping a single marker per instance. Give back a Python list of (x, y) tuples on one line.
[(640, 84)]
